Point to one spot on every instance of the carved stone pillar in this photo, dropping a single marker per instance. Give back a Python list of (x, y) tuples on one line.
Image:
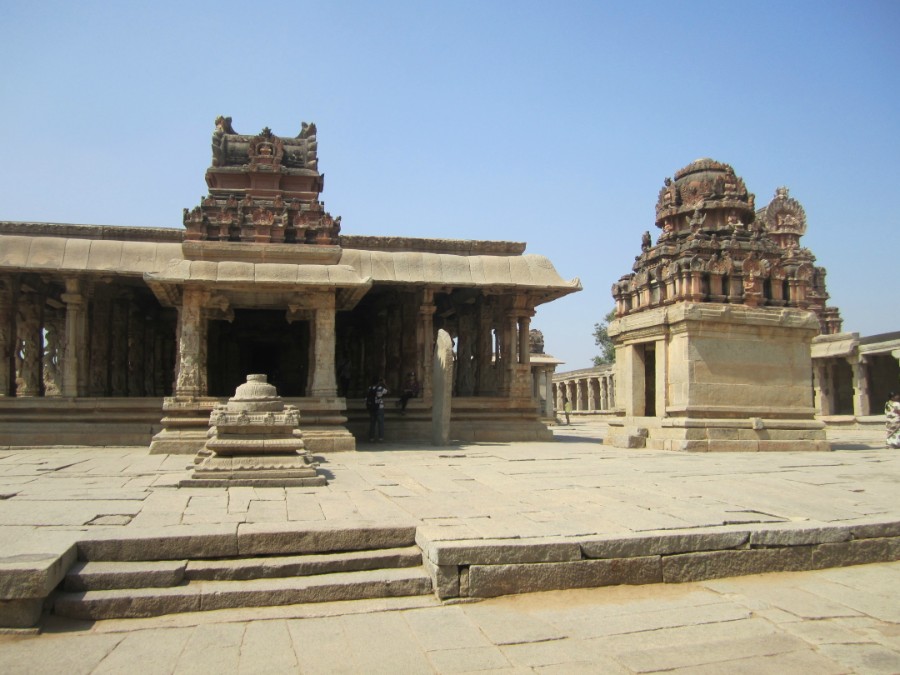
[(592, 396), (75, 340), (7, 331), (578, 403), (322, 381), (425, 343), (485, 348), (191, 376), (30, 348)]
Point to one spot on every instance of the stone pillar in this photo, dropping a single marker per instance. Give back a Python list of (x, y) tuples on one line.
[(30, 344), (323, 383), (578, 404), (75, 342), (190, 379), (861, 403), (425, 343), (592, 396), (485, 349), (821, 393), (549, 407), (7, 333)]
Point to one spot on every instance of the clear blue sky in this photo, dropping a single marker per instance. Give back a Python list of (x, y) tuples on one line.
[(549, 123)]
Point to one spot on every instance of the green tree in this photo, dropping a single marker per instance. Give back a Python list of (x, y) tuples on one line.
[(602, 340)]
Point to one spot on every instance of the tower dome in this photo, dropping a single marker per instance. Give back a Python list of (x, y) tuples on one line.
[(708, 188)]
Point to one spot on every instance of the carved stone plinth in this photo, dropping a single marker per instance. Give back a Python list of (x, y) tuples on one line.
[(254, 440)]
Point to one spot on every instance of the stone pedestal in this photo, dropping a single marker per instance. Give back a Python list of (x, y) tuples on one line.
[(254, 440), (716, 377)]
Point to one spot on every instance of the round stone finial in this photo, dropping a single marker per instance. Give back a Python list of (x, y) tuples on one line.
[(256, 394)]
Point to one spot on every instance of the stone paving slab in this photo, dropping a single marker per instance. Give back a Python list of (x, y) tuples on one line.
[(825, 621)]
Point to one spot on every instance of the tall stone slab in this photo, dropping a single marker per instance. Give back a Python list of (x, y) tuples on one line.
[(443, 389)]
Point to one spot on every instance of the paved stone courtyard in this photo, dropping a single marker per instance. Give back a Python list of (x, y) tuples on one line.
[(837, 620)]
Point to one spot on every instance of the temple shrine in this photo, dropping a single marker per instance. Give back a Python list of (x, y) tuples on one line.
[(131, 335), (715, 323)]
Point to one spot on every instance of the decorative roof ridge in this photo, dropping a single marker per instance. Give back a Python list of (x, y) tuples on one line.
[(428, 245)]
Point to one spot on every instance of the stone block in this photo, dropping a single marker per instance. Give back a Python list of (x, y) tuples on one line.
[(20, 613), (235, 271), (791, 534), (105, 255), (33, 575), (86, 576), (487, 581), (165, 543), (444, 577), (76, 255), (717, 564), (663, 543), (273, 538), (47, 252), (858, 552), (874, 529), (499, 551)]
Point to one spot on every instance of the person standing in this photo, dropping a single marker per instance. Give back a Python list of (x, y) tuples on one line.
[(410, 390), (892, 420), (375, 406)]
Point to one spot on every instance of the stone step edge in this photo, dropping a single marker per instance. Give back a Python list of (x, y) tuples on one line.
[(488, 568), (213, 595), (109, 575), (243, 540)]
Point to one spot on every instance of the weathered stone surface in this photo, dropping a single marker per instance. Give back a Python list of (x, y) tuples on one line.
[(167, 543), (856, 552), (487, 581), (88, 576), (876, 529), (794, 534), (445, 578), (442, 391), (266, 539), (301, 565), (497, 551), (20, 613), (716, 564), (663, 543), (33, 575)]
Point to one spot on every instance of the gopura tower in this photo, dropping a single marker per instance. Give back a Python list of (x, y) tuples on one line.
[(714, 324)]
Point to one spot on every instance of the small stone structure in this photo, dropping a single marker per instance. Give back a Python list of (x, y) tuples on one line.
[(714, 325), (254, 440)]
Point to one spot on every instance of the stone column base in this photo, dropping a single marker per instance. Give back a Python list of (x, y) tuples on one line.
[(685, 434)]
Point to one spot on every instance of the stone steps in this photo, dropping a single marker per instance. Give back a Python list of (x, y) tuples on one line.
[(105, 575), (199, 596), (131, 577)]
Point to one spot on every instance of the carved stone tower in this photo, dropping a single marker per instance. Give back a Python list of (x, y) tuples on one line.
[(714, 324)]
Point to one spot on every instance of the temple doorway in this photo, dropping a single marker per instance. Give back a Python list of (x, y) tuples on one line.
[(258, 341)]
